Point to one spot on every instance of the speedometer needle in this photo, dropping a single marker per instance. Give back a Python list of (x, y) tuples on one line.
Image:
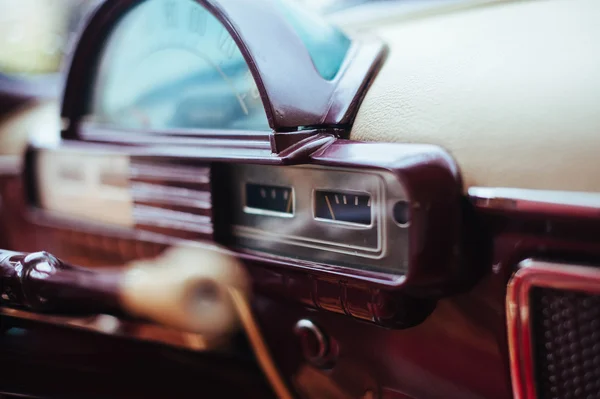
[(288, 208), (330, 208)]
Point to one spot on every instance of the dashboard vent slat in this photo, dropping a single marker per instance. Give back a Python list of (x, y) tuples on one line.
[(173, 173), (171, 199), (170, 195)]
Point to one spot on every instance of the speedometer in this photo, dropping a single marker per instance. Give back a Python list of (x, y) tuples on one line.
[(170, 64), (200, 68)]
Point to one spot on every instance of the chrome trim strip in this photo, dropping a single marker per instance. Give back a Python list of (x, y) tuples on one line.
[(516, 198), (535, 273), (257, 211), (332, 246)]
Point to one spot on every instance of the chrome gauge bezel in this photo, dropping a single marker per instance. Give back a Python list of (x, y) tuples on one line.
[(380, 246)]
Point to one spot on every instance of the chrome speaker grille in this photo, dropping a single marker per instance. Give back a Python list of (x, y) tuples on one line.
[(553, 320), (565, 327)]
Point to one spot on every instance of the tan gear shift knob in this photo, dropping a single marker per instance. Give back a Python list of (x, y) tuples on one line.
[(187, 288)]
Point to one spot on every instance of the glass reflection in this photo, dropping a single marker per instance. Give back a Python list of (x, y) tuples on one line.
[(172, 65), (326, 44)]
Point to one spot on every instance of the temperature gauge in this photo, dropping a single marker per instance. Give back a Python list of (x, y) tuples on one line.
[(269, 200), (343, 207)]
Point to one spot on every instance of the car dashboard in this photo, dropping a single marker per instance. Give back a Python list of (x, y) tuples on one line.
[(411, 195)]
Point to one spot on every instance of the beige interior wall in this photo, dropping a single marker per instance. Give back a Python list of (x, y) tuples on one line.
[(511, 90)]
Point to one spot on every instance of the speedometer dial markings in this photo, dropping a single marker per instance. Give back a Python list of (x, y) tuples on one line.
[(174, 62), (227, 44), (197, 21), (344, 207), (170, 14), (269, 200)]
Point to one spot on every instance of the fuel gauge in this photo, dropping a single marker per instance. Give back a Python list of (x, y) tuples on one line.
[(343, 207), (269, 200)]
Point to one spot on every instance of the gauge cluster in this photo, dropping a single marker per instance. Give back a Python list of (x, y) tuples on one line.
[(264, 199), (327, 215), (321, 214), (382, 213)]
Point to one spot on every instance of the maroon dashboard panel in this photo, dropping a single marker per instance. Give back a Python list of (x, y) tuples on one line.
[(460, 348), (370, 269), (370, 247)]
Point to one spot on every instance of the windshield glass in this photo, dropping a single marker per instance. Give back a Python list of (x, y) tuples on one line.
[(34, 33), (326, 44)]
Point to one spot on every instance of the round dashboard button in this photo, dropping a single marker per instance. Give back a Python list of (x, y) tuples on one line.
[(315, 345), (401, 213)]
